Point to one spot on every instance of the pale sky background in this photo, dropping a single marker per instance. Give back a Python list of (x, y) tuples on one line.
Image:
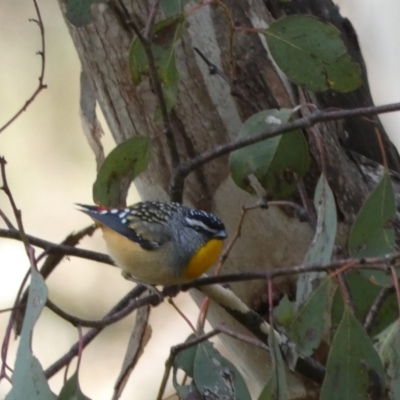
[(50, 167)]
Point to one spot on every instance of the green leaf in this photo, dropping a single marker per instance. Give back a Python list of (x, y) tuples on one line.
[(185, 358), (372, 234), (216, 377), (125, 162), (278, 163), (78, 12), (29, 381), (71, 390), (283, 312), (312, 54), (276, 388), (185, 361), (352, 361), (172, 7), (388, 347), (164, 35), (308, 324), (321, 247), (363, 294)]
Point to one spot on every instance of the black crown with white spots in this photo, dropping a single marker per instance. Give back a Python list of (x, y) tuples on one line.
[(155, 212)]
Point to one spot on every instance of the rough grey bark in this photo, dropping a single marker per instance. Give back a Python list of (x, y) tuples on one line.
[(207, 114)]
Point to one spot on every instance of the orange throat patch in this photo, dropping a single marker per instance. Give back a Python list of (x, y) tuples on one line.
[(205, 257)]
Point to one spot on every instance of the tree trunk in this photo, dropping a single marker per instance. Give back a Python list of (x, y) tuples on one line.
[(206, 115)]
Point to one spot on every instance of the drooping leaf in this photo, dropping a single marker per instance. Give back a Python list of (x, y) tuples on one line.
[(312, 54), (308, 324), (278, 163), (363, 294), (138, 340), (388, 347), (29, 381), (165, 34), (211, 373), (372, 234), (321, 247), (216, 377), (124, 163), (185, 361), (78, 12), (276, 388), (351, 363), (71, 390)]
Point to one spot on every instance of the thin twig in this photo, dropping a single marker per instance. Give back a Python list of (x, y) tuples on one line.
[(235, 237), (41, 85), (378, 263), (301, 213), (366, 263), (17, 213), (55, 248), (183, 316), (183, 170), (89, 336), (6, 220), (51, 262), (235, 91), (395, 280), (155, 80), (376, 306), (107, 320), (151, 19)]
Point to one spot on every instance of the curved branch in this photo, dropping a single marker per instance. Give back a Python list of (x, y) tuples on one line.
[(54, 248), (183, 170), (41, 85)]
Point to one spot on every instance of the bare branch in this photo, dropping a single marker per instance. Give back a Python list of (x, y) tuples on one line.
[(55, 248), (41, 85), (376, 306), (89, 336), (183, 170), (377, 263)]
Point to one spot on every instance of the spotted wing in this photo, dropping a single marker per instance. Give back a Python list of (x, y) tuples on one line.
[(118, 221)]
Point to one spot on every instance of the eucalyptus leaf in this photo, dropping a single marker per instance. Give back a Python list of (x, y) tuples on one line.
[(363, 294), (172, 7), (29, 381), (312, 54), (71, 389), (124, 163), (164, 36), (321, 247), (277, 163), (351, 363), (388, 347), (308, 324), (215, 376), (276, 388), (372, 234), (79, 12)]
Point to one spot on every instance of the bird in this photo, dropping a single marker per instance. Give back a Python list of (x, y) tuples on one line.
[(160, 243)]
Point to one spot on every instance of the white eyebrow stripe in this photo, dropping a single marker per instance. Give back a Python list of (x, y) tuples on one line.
[(196, 222)]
